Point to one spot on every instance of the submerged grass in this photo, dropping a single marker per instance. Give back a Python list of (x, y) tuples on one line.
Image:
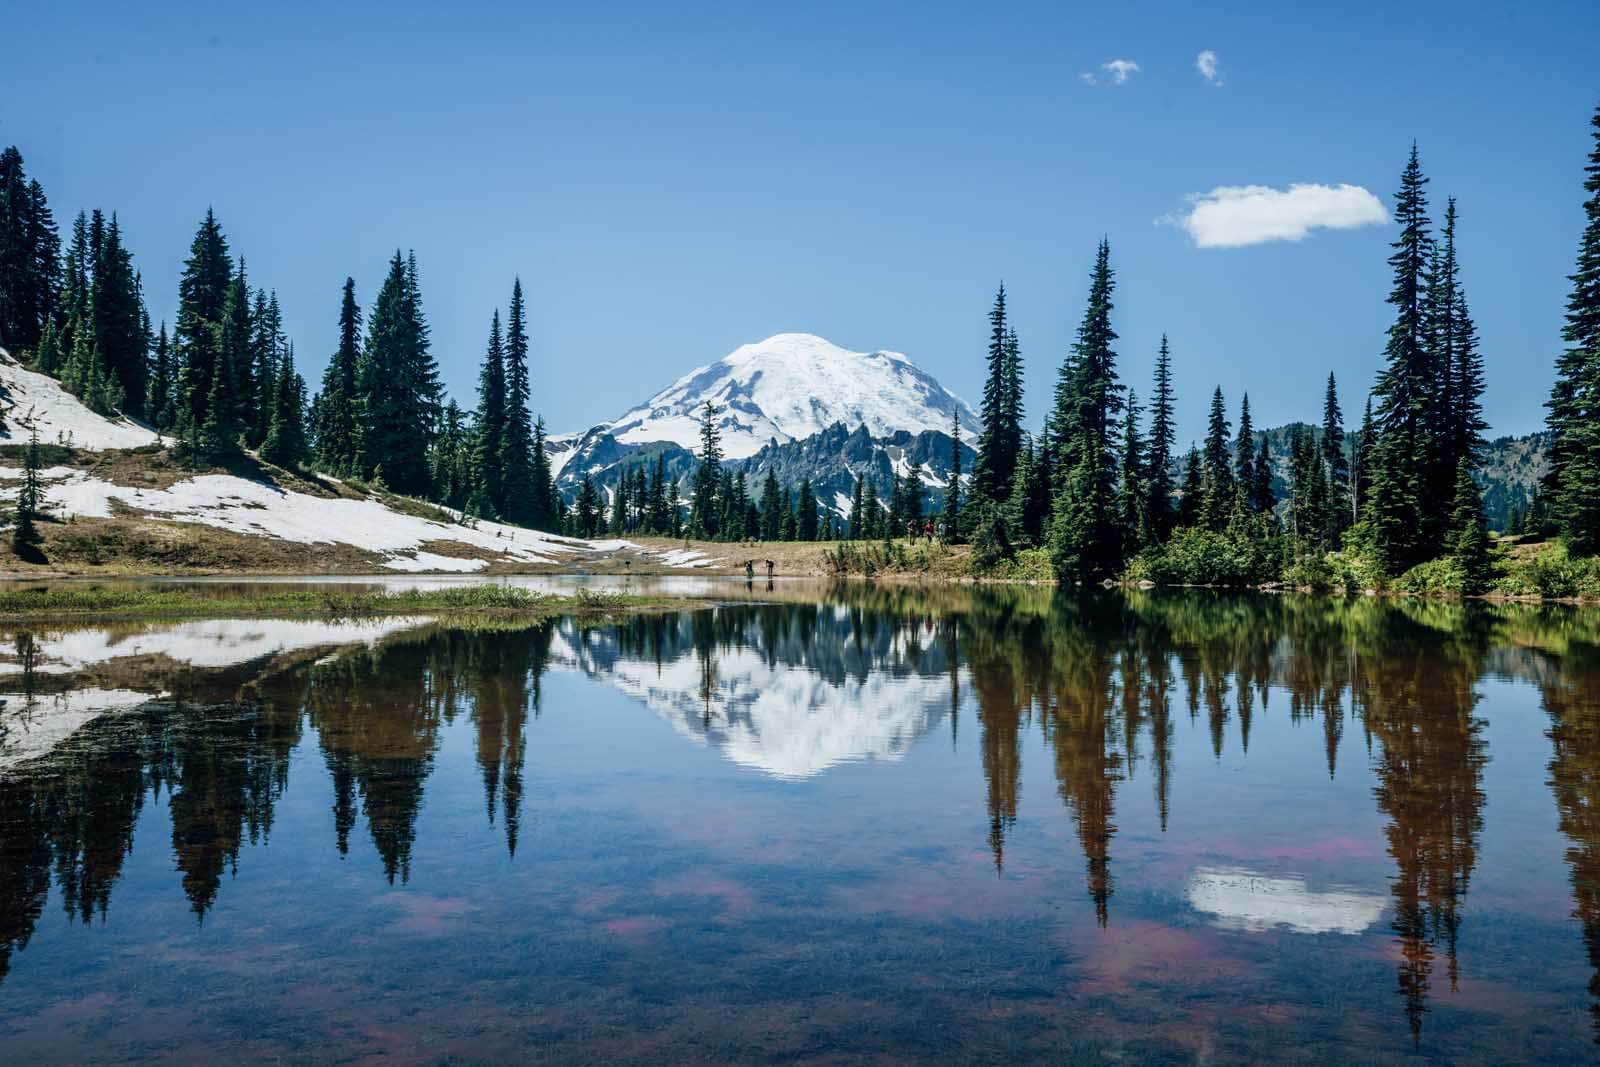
[(108, 601)]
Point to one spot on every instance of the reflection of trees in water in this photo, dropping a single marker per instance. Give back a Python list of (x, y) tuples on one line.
[(1572, 698), (1100, 674), (219, 750)]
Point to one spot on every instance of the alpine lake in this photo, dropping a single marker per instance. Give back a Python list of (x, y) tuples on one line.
[(809, 823)]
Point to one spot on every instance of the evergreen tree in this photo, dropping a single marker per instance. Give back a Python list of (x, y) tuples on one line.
[(1244, 453), (871, 512), (675, 508), (452, 461), (1469, 531), (1341, 508), (546, 499), (1191, 497), (488, 448), (1361, 461), (30, 253), (161, 392), (399, 382), (117, 317), (1163, 439), (516, 455), (855, 531), (1133, 494), (30, 501), (1085, 540), (771, 508), (1405, 518), (338, 416), (806, 512), (1001, 436), (912, 504), (224, 424), (47, 355), (1217, 499), (1572, 487), (202, 293), (703, 513), (586, 510), (285, 444), (619, 507), (1262, 500)]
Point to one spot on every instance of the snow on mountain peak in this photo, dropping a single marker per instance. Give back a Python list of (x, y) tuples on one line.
[(790, 386)]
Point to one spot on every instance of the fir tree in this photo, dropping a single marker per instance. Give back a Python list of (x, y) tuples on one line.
[(1163, 438), (1341, 508), (619, 507), (871, 512), (771, 508), (1361, 461), (1132, 491), (912, 509), (30, 252), (703, 513), (224, 423), (1244, 454), (1404, 517), (163, 385), (1572, 487), (1262, 500), (1469, 531), (117, 317), (855, 517), (516, 457), (399, 382), (1191, 496), (202, 293), (999, 440), (1085, 539), (338, 417), (30, 501), (546, 500), (806, 513), (586, 509), (285, 444), (488, 449), (1218, 496)]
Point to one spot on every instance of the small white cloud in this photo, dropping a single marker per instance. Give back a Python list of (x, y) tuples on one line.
[(1115, 72), (1119, 69), (1206, 64), (1233, 216)]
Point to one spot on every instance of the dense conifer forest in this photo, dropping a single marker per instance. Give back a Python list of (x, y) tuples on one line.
[(1100, 492)]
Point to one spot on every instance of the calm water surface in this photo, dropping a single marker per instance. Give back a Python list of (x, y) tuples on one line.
[(860, 824)]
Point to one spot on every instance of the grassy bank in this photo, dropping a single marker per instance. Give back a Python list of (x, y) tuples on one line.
[(54, 602)]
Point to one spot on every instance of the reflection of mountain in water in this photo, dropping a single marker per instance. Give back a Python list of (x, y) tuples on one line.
[(784, 690)]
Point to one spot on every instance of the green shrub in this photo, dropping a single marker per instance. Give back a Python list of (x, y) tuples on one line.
[(1196, 556), (1551, 572)]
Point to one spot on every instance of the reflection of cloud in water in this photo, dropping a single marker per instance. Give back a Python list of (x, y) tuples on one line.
[(787, 721), (1244, 900)]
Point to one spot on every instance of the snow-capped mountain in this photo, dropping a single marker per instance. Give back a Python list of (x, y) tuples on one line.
[(787, 388), (794, 404)]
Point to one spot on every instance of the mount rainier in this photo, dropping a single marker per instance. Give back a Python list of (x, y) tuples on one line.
[(795, 404)]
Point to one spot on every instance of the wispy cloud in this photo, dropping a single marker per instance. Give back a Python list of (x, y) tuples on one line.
[(1114, 72), (1233, 216), (1206, 64)]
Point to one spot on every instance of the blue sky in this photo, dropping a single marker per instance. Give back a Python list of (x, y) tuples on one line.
[(671, 181)]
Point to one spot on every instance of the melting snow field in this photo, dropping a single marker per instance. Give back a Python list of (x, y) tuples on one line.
[(37, 401)]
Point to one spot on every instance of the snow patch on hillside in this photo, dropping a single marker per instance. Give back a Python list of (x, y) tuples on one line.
[(30, 401)]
